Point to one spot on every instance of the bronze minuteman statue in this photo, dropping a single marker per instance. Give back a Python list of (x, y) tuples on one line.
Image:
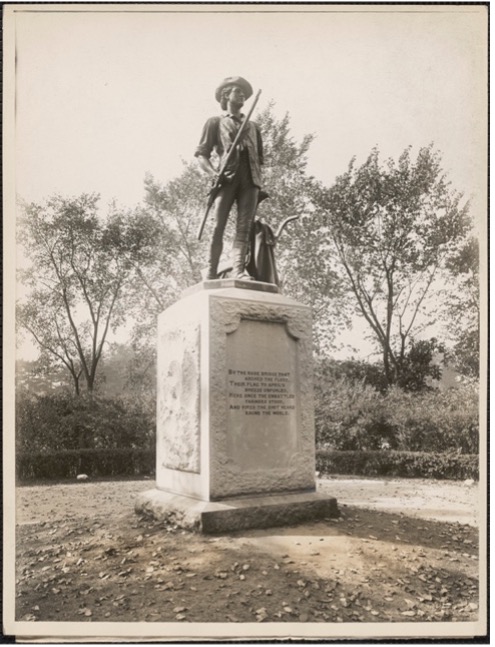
[(240, 180)]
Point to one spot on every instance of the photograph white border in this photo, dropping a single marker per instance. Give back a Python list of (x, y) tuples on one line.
[(59, 631)]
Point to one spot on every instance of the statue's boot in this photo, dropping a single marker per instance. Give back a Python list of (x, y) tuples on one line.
[(239, 262), (211, 273), (215, 253)]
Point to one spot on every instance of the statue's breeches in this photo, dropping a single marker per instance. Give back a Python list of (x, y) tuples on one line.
[(241, 190)]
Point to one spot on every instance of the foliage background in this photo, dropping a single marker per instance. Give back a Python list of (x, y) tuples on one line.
[(370, 244)]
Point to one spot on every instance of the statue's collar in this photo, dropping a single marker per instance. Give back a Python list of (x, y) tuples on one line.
[(241, 117)]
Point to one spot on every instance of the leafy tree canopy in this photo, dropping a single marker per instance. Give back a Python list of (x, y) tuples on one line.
[(394, 227), (462, 308), (79, 268)]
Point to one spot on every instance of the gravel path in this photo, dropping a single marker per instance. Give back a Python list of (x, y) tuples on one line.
[(447, 501)]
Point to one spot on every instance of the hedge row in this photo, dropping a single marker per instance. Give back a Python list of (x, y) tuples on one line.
[(397, 463), (141, 462), (93, 462)]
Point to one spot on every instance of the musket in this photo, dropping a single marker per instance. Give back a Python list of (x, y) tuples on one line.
[(218, 183)]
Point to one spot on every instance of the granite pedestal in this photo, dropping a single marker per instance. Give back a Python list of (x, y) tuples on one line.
[(235, 415)]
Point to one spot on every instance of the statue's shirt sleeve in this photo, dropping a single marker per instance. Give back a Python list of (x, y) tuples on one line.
[(209, 138)]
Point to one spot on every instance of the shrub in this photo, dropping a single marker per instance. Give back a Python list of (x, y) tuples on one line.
[(417, 368), (398, 463), (95, 463), (351, 415), (55, 422), (439, 421)]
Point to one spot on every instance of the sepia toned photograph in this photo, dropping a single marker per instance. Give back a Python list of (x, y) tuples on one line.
[(245, 321)]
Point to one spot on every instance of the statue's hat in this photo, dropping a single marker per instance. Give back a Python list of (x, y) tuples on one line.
[(234, 80)]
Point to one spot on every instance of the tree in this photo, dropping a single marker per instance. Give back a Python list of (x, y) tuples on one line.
[(38, 377), (129, 371), (392, 227), (178, 256), (176, 207), (420, 365), (174, 257), (291, 190), (76, 278), (462, 308)]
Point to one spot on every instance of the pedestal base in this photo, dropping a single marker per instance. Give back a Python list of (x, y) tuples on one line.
[(236, 513)]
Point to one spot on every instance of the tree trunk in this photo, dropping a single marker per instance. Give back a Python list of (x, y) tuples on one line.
[(75, 379)]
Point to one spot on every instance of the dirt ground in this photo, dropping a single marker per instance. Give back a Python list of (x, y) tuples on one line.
[(402, 551)]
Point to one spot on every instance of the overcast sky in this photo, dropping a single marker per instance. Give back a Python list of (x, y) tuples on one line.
[(105, 95)]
